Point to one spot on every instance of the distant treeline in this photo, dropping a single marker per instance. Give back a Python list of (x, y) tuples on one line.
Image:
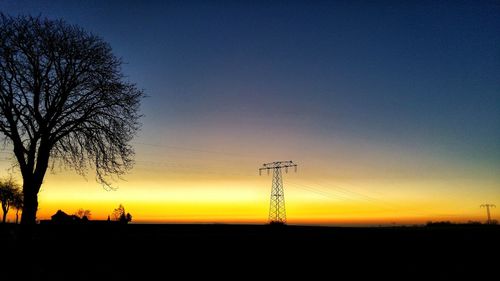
[(469, 223)]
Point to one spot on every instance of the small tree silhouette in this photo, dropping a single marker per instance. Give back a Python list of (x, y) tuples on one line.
[(120, 215), (10, 194), (83, 214), (18, 204)]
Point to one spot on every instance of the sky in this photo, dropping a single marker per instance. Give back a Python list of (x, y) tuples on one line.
[(391, 109)]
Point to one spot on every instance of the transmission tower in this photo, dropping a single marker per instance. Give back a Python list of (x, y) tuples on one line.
[(488, 206), (277, 214)]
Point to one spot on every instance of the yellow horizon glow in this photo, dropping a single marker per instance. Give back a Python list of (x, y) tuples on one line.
[(248, 202), (358, 183)]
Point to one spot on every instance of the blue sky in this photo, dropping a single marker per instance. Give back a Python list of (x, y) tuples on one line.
[(421, 71), (416, 77)]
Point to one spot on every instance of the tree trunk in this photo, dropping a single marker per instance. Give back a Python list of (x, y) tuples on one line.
[(30, 192), (4, 215), (17, 216), (32, 183)]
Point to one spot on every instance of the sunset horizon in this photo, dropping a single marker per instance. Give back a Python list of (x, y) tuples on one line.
[(249, 140), (391, 111)]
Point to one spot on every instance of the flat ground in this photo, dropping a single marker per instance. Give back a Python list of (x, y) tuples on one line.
[(248, 252)]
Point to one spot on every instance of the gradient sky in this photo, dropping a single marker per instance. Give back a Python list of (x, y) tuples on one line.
[(390, 109)]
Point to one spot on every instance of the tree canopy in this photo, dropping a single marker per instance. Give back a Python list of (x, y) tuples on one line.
[(63, 98)]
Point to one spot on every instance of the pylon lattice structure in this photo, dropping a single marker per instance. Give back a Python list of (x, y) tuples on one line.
[(277, 212), (488, 206)]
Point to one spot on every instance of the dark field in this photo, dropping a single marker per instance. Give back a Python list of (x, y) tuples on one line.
[(248, 252)]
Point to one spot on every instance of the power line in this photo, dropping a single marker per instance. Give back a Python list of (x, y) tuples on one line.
[(362, 196), (317, 191), (193, 149), (343, 193), (346, 195)]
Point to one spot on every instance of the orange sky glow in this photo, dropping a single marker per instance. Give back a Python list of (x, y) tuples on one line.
[(339, 183)]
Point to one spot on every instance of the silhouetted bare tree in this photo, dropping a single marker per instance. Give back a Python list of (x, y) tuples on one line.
[(81, 213), (10, 193), (63, 98), (120, 215)]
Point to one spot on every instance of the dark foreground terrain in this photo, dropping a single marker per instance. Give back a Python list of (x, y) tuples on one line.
[(247, 252)]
